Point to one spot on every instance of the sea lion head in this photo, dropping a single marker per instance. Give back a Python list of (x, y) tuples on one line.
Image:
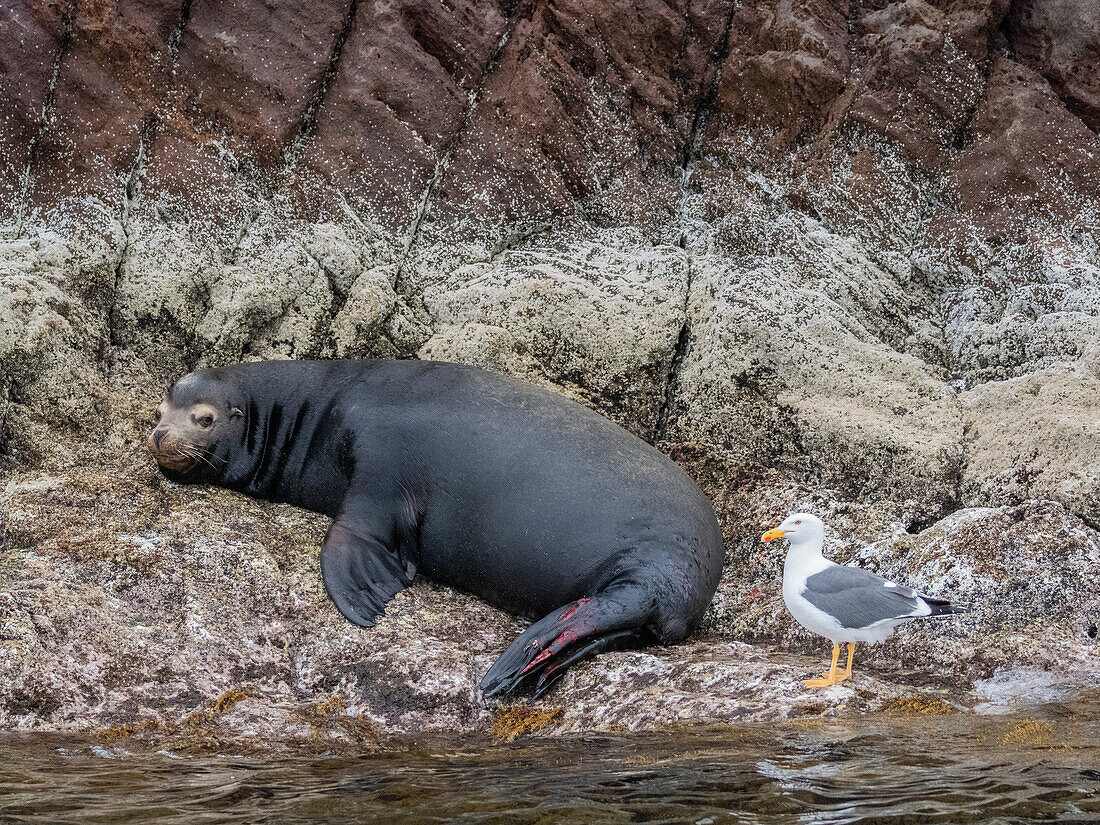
[(195, 426)]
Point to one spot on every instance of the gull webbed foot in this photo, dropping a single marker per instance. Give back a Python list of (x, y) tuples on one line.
[(831, 676)]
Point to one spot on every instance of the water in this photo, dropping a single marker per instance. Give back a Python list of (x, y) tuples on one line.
[(1016, 767)]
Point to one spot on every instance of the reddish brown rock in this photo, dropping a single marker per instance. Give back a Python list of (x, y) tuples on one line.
[(404, 85), (917, 86), (248, 69), (591, 108), (248, 79), (1061, 39), (1030, 159), (502, 118), (111, 77), (31, 39), (785, 69)]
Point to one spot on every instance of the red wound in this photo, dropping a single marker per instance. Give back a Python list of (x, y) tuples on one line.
[(569, 611)]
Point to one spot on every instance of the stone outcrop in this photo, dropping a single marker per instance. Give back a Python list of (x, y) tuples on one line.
[(844, 256), (138, 608)]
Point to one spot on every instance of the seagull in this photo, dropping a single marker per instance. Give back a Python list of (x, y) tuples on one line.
[(843, 604)]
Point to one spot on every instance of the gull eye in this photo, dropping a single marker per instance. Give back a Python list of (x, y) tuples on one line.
[(798, 521), (206, 422)]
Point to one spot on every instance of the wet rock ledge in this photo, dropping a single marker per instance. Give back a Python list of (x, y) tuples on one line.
[(141, 610)]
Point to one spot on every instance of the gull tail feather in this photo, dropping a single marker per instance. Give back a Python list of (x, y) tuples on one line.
[(943, 607)]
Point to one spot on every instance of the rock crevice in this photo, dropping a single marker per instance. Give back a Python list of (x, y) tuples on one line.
[(63, 42), (308, 121)]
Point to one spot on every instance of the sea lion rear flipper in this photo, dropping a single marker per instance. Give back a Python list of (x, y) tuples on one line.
[(615, 619), (361, 574)]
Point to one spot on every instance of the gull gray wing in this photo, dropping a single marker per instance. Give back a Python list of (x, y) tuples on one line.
[(858, 598)]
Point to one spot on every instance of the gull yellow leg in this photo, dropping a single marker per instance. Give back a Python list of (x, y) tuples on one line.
[(829, 678), (847, 674)]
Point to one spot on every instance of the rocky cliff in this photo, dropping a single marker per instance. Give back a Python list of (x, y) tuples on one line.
[(834, 255)]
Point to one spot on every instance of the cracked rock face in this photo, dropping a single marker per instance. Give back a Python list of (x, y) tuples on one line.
[(844, 257)]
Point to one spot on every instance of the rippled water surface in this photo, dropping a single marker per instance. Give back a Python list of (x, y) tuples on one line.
[(1017, 767)]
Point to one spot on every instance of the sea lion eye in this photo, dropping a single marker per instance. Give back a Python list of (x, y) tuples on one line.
[(156, 417), (206, 421)]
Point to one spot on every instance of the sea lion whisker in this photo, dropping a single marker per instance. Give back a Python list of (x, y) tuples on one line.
[(191, 451), (201, 457), (209, 456)]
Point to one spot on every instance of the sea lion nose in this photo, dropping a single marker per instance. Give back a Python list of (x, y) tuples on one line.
[(158, 434)]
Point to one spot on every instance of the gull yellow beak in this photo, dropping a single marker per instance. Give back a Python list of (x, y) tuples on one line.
[(772, 535)]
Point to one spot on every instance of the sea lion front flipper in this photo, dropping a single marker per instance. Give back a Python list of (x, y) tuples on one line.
[(361, 574)]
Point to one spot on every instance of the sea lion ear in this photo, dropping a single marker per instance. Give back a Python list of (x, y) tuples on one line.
[(236, 413)]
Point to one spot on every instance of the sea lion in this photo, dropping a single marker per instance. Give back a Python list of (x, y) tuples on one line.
[(513, 493)]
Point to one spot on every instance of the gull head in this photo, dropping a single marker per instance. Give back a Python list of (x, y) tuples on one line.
[(797, 528)]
